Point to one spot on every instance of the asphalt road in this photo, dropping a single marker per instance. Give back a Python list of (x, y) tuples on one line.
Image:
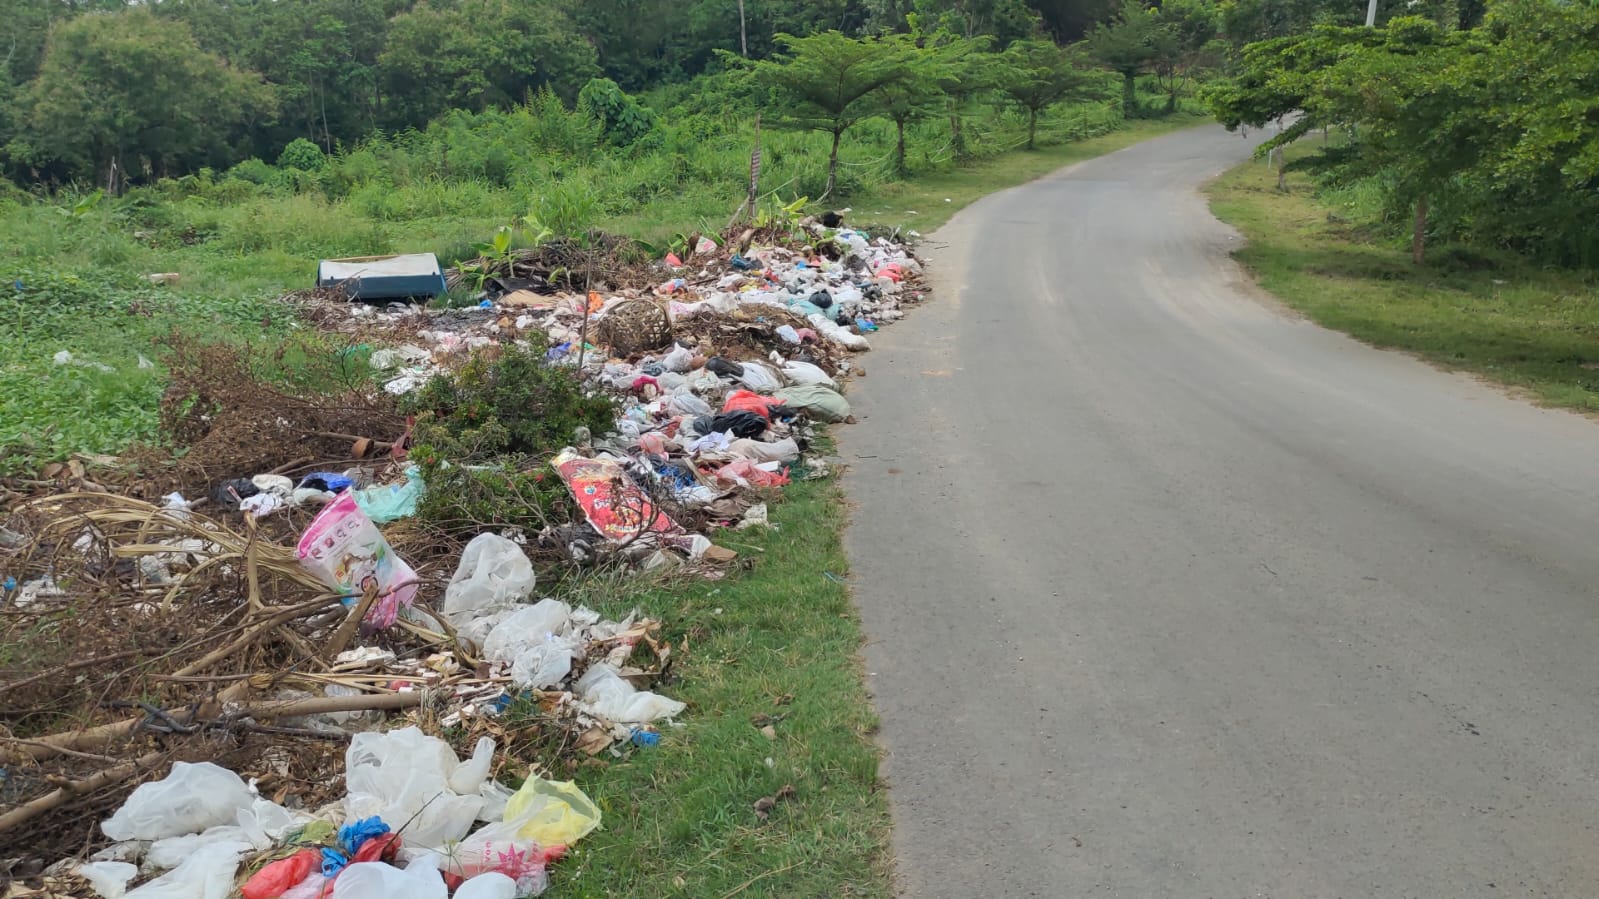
[(1170, 593)]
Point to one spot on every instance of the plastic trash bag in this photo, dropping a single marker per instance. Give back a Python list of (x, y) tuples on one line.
[(500, 849), (389, 502), (688, 404), (206, 874), (551, 812), (171, 852), (494, 573), (277, 878), (347, 552), (467, 779), (491, 885), (785, 450), (109, 879), (804, 373), (525, 628), (839, 335), (312, 887), (759, 377), (190, 799), (404, 776), (749, 401), (376, 880), (613, 698), (679, 360), (495, 795), (545, 665), (819, 402)]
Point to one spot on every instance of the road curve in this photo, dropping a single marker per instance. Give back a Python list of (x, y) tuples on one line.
[(1168, 592)]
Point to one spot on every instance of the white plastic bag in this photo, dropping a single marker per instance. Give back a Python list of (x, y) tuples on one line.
[(467, 779), (206, 874), (785, 450), (498, 848), (376, 880), (493, 574), (404, 775), (806, 373), (190, 799), (491, 885), (841, 336), (689, 404), (171, 852), (545, 664), (613, 698), (679, 360), (759, 377), (109, 879), (525, 628)]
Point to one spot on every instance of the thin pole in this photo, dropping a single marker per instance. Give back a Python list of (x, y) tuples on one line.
[(744, 37)]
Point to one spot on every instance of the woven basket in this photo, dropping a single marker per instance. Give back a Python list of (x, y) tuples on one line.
[(635, 326)]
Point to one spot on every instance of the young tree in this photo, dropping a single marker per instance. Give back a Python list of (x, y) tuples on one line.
[(827, 82), (1186, 44), (1035, 75), (917, 95), (966, 71), (1128, 45), (130, 92)]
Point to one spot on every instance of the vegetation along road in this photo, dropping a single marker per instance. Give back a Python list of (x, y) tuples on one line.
[(1170, 592)]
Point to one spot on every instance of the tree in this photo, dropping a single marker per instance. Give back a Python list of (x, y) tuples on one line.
[(130, 92), (322, 58), (915, 96), (1185, 45), (1002, 20), (1037, 74), (474, 54), (826, 83), (965, 71), (1418, 120), (1128, 45)]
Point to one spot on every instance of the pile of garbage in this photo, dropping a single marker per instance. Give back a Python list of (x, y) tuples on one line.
[(417, 822), (297, 606)]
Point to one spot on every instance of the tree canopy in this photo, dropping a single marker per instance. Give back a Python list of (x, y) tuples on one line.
[(1490, 134), (133, 92)]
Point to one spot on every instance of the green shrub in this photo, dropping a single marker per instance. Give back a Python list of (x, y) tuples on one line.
[(623, 120), (486, 432), (303, 155)]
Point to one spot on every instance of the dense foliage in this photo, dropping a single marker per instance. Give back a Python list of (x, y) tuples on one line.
[(1488, 135), (485, 433), (107, 91)]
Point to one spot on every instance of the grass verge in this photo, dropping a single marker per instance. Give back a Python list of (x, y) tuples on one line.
[(779, 642), (1526, 327)]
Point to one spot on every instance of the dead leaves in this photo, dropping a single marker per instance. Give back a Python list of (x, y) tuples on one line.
[(765, 804)]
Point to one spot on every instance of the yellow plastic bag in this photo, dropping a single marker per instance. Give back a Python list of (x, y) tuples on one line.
[(551, 812)]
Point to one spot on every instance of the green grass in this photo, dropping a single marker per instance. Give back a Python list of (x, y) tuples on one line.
[(679, 819), (1518, 324)]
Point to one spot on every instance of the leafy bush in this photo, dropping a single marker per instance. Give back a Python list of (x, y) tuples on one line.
[(256, 172), (485, 433), (625, 122), (568, 208), (303, 155)]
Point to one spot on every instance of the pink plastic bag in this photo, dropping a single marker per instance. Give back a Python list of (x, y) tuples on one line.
[(347, 552)]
